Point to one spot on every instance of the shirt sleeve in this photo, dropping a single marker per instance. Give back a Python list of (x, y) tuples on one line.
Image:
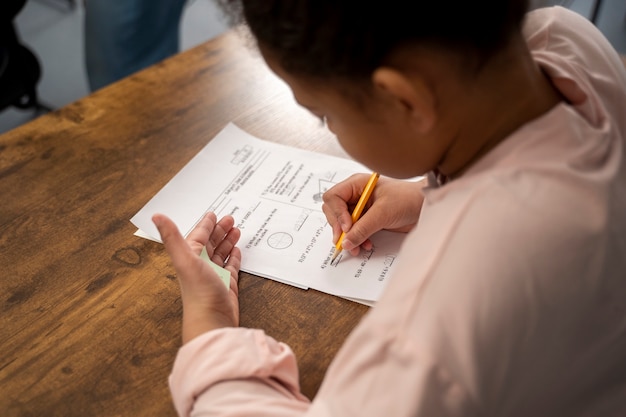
[(230, 370), (243, 372)]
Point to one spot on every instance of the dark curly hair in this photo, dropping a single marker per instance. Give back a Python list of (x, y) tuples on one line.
[(348, 39)]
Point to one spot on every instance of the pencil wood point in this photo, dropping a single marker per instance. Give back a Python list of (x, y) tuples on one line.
[(358, 209), (335, 254)]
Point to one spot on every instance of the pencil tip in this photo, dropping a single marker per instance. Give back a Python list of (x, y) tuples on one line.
[(335, 255)]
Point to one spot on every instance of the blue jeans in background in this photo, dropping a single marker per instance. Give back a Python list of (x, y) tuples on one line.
[(125, 36)]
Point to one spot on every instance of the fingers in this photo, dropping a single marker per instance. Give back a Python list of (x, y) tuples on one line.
[(232, 265), (234, 260), (201, 233), (335, 221), (219, 238), (219, 232), (337, 201), (224, 248)]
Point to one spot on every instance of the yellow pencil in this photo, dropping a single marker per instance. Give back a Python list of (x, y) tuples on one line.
[(356, 213)]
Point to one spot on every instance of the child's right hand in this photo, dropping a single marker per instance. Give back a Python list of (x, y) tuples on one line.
[(394, 205)]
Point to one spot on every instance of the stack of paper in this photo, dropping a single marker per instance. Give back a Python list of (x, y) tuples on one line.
[(274, 193)]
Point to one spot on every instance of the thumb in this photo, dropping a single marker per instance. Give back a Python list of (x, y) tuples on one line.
[(175, 244), (360, 231)]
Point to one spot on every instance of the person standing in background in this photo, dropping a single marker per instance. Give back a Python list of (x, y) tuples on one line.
[(125, 36)]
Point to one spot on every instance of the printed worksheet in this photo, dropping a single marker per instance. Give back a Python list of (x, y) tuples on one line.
[(274, 193)]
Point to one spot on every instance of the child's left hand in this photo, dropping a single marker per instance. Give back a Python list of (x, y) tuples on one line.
[(207, 304)]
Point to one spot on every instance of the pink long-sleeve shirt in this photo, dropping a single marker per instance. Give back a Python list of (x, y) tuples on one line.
[(516, 304)]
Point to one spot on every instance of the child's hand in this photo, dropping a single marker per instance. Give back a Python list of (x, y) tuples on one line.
[(207, 303), (394, 205)]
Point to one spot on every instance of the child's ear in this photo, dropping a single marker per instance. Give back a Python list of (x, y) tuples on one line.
[(410, 93)]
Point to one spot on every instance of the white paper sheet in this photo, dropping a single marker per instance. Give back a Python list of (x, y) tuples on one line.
[(274, 193)]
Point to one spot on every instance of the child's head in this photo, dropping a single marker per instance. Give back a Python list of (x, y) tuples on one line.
[(368, 68)]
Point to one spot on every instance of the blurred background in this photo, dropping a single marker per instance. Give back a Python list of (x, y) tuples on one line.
[(54, 30)]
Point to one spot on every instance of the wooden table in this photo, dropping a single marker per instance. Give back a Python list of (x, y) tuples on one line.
[(90, 313)]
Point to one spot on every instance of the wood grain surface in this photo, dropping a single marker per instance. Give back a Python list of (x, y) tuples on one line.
[(90, 313)]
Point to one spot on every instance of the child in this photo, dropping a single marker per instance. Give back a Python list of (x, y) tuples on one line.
[(509, 299)]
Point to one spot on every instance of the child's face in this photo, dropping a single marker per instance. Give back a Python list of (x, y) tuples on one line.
[(376, 132)]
